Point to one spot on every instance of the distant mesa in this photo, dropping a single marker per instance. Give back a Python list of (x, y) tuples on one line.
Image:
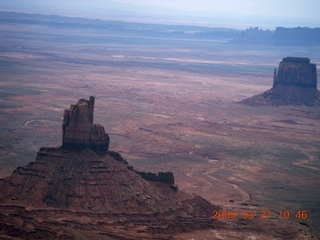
[(298, 36), (83, 187), (295, 83)]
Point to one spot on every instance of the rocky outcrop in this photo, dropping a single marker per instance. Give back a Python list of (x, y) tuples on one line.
[(165, 177), (67, 190), (73, 188), (295, 83), (79, 131), (117, 157)]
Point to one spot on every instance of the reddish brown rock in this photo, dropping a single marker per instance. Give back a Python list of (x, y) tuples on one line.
[(166, 177), (296, 71), (72, 191), (295, 83), (67, 191), (84, 181), (79, 131)]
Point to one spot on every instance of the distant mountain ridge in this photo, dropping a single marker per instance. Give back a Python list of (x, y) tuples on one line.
[(298, 36), (141, 28), (281, 36), (301, 36)]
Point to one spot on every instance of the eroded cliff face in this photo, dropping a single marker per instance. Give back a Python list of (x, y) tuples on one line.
[(79, 131), (295, 83), (296, 71)]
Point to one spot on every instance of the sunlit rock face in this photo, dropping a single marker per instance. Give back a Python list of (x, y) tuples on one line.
[(295, 83), (79, 131)]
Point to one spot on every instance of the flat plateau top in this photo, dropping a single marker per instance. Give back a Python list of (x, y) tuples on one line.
[(297, 59)]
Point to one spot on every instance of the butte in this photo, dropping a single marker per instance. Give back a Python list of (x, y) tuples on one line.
[(295, 83), (82, 190)]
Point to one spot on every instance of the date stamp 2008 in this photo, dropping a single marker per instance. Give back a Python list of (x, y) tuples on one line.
[(262, 214)]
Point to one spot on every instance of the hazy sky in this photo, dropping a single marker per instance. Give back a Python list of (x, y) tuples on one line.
[(237, 13)]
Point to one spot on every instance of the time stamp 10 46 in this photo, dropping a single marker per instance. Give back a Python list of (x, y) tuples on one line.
[(262, 214)]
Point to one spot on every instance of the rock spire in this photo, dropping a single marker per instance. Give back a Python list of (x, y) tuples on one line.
[(79, 131)]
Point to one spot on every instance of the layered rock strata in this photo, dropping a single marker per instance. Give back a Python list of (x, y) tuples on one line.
[(82, 190), (295, 83), (86, 181)]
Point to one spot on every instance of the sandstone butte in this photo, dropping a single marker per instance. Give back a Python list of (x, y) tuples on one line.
[(82, 190), (295, 83)]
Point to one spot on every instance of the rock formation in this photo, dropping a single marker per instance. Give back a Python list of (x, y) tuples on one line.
[(297, 72), (77, 192), (79, 131), (165, 177), (86, 181), (295, 83), (299, 36)]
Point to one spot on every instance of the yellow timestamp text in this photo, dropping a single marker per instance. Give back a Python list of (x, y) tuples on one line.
[(254, 214)]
